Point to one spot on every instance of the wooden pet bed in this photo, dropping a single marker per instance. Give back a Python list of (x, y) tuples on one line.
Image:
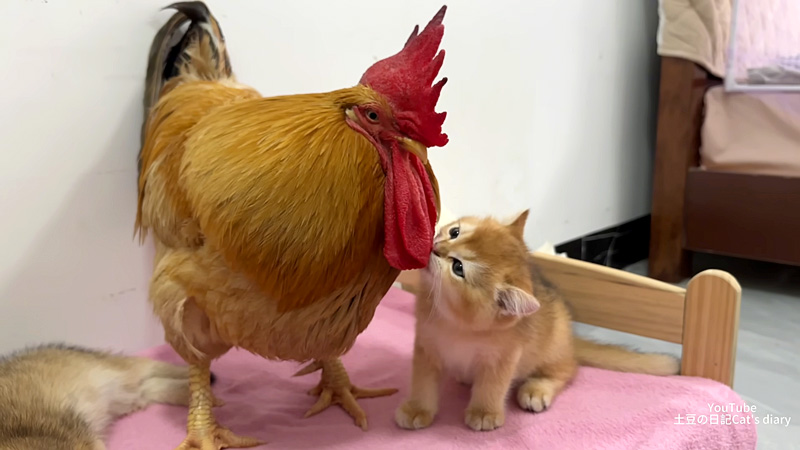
[(600, 409)]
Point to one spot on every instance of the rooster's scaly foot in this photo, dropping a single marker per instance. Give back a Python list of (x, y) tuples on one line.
[(335, 388), (216, 438), (203, 431)]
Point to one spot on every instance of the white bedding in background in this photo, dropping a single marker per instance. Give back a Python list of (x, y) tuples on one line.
[(782, 71), (767, 36), (742, 132), (696, 30)]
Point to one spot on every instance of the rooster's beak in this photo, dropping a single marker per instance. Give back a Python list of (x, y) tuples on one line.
[(414, 147)]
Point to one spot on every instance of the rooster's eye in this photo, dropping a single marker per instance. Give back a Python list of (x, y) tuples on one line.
[(372, 116)]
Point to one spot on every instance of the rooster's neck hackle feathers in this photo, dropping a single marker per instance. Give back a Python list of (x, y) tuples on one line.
[(405, 80), (306, 215)]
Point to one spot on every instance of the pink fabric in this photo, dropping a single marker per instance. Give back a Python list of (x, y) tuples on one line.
[(600, 410), (754, 133)]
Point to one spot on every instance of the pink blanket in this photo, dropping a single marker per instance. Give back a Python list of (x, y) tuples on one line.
[(600, 410)]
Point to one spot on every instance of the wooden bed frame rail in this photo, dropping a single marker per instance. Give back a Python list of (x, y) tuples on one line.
[(703, 318)]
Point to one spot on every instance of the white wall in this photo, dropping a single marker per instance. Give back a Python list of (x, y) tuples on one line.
[(549, 101)]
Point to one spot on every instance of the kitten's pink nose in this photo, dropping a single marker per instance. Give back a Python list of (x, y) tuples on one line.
[(436, 249)]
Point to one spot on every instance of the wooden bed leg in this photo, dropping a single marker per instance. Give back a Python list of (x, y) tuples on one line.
[(680, 108), (711, 326)]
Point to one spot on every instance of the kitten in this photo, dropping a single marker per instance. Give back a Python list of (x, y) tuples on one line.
[(487, 317), (56, 397)]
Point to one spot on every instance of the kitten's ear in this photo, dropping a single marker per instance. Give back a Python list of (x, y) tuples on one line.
[(513, 301), (517, 225)]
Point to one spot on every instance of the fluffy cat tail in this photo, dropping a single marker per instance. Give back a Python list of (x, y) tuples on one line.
[(621, 359)]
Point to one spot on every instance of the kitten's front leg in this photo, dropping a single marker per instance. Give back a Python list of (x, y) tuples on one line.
[(538, 391), (420, 408), (487, 406)]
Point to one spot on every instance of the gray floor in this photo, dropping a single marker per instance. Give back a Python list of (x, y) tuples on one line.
[(768, 354)]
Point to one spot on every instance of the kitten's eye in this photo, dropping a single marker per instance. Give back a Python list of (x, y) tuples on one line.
[(454, 232), (372, 116), (458, 268)]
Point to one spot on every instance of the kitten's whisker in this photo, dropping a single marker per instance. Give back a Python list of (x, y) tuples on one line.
[(435, 291), (437, 304), (432, 294)]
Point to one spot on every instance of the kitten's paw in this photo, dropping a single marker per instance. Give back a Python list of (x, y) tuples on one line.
[(411, 416), (480, 419), (536, 394)]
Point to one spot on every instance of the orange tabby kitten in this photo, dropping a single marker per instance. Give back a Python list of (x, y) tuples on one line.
[(486, 316)]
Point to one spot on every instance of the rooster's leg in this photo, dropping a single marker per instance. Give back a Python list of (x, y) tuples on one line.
[(203, 432), (335, 388)]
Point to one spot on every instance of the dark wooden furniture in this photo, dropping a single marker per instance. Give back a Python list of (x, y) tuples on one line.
[(736, 214)]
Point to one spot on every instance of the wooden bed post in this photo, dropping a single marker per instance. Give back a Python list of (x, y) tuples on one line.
[(680, 109), (711, 326)]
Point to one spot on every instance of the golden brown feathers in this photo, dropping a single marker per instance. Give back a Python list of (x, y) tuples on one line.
[(296, 202), (263, 197), (282, 186), (167, 129)]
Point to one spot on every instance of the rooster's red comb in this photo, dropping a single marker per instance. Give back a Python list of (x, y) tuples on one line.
[(405, 80)]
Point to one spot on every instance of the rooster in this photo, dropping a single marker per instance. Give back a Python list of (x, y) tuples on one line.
[(280, 223)]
